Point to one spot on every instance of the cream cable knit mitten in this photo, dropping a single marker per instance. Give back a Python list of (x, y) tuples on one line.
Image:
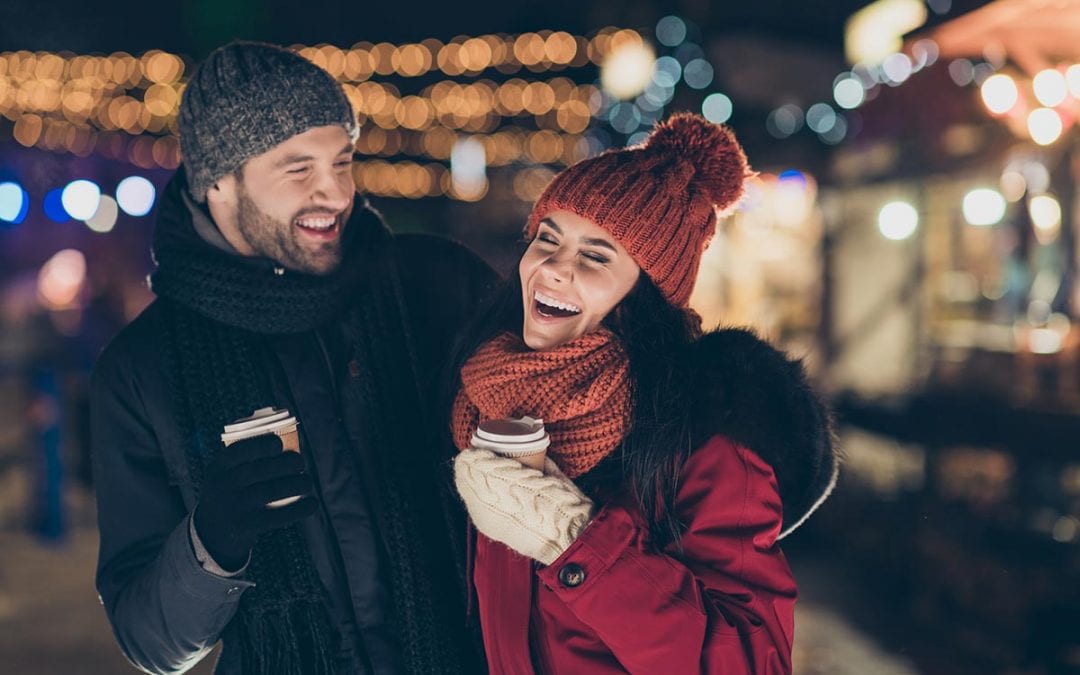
[(536, 514)]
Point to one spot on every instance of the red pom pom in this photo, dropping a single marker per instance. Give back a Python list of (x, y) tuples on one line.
[(720, 167)]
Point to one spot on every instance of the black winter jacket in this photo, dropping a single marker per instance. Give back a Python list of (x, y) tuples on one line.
[(167, 611)]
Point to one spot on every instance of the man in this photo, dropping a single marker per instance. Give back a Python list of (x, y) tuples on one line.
[(277, 288)]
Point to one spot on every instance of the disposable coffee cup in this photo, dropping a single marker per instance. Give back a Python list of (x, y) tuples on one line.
[(520, 438), (267, 421)]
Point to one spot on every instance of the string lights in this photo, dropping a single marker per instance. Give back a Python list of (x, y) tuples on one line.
[(125, 107)]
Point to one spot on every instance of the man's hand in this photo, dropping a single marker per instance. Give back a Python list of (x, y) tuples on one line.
[(240, 481)]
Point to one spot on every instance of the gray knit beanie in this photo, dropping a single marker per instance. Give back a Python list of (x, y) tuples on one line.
[(246, 98)]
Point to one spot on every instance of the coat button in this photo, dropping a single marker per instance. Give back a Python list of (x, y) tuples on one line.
[(354, 369), (571, 575)]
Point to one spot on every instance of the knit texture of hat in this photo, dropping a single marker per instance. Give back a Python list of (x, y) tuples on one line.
[(659, 200), (246, 98)]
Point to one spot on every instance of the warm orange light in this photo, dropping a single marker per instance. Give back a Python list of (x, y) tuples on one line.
[(83, 103), (529, 49), (412, 60), (383, 54), (61, 279), (449, 59), (538, 98), (28, 130)]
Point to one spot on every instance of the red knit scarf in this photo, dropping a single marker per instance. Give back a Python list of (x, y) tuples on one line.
[(581, 389)]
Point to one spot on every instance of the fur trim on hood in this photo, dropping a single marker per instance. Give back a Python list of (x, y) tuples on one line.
[(755, 395)]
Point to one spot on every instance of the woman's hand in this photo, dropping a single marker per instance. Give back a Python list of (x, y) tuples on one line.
[(536, 514)]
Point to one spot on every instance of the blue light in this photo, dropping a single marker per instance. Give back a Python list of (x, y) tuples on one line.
[(14, 203), (54, 206), (794, 176), (698, 73), (820, 117), (624, 118), (671, 31), (667, 72), (717, 108)]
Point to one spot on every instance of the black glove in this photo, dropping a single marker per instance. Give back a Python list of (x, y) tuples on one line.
[(240, 481)]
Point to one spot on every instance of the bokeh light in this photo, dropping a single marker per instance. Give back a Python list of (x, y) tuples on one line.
[(925, 53), (1013, 185), (60, 280), (984, 207), (1072, 78), (627, 70), (820, 117), (135, 196), (898, 220), (999, 93), (468, 169), (667, 72), (54, 206), (1050, 87), (962, 72), (624, 118), (897, 68), (671, 31), (1045, 212), (848, 91), (875, 31), (717, 108), (784, 121), (837, 133), (698, 74), (1037, 177), (14, 202), (81, 199), (1044, 125), (104, 219)]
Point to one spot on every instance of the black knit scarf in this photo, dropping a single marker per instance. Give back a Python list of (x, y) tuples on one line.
[(219, 310)]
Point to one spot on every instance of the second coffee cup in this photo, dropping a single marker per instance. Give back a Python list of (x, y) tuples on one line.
[(520, 438), (267, 421)]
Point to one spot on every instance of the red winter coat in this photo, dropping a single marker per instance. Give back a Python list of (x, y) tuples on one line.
[(613, 604)]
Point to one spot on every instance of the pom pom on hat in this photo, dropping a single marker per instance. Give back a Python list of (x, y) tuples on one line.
[(720, 166)]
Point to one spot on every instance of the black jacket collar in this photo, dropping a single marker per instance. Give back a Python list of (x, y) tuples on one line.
[(755, 395)]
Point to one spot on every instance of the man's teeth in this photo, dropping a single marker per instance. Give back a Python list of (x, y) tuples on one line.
[(316, 223), (552, 302)]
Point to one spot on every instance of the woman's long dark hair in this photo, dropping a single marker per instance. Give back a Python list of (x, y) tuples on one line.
[(656, 336)]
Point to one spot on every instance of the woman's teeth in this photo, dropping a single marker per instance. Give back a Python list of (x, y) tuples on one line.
[(549, 306)]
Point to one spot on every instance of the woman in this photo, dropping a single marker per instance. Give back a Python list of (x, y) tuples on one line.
[(648, 544)]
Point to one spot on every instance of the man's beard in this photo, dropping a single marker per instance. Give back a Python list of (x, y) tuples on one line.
[(273, 239)]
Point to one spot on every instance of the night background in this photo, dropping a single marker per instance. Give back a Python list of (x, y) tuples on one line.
[(912, 235)]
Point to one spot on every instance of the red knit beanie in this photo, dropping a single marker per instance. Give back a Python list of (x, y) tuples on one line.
[(659, 199)]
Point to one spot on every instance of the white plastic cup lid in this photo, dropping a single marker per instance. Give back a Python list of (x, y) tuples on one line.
[(263, 421), (258, 418), (511, 430)]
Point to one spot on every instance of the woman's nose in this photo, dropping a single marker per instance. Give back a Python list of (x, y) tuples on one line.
[(559, 267)]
